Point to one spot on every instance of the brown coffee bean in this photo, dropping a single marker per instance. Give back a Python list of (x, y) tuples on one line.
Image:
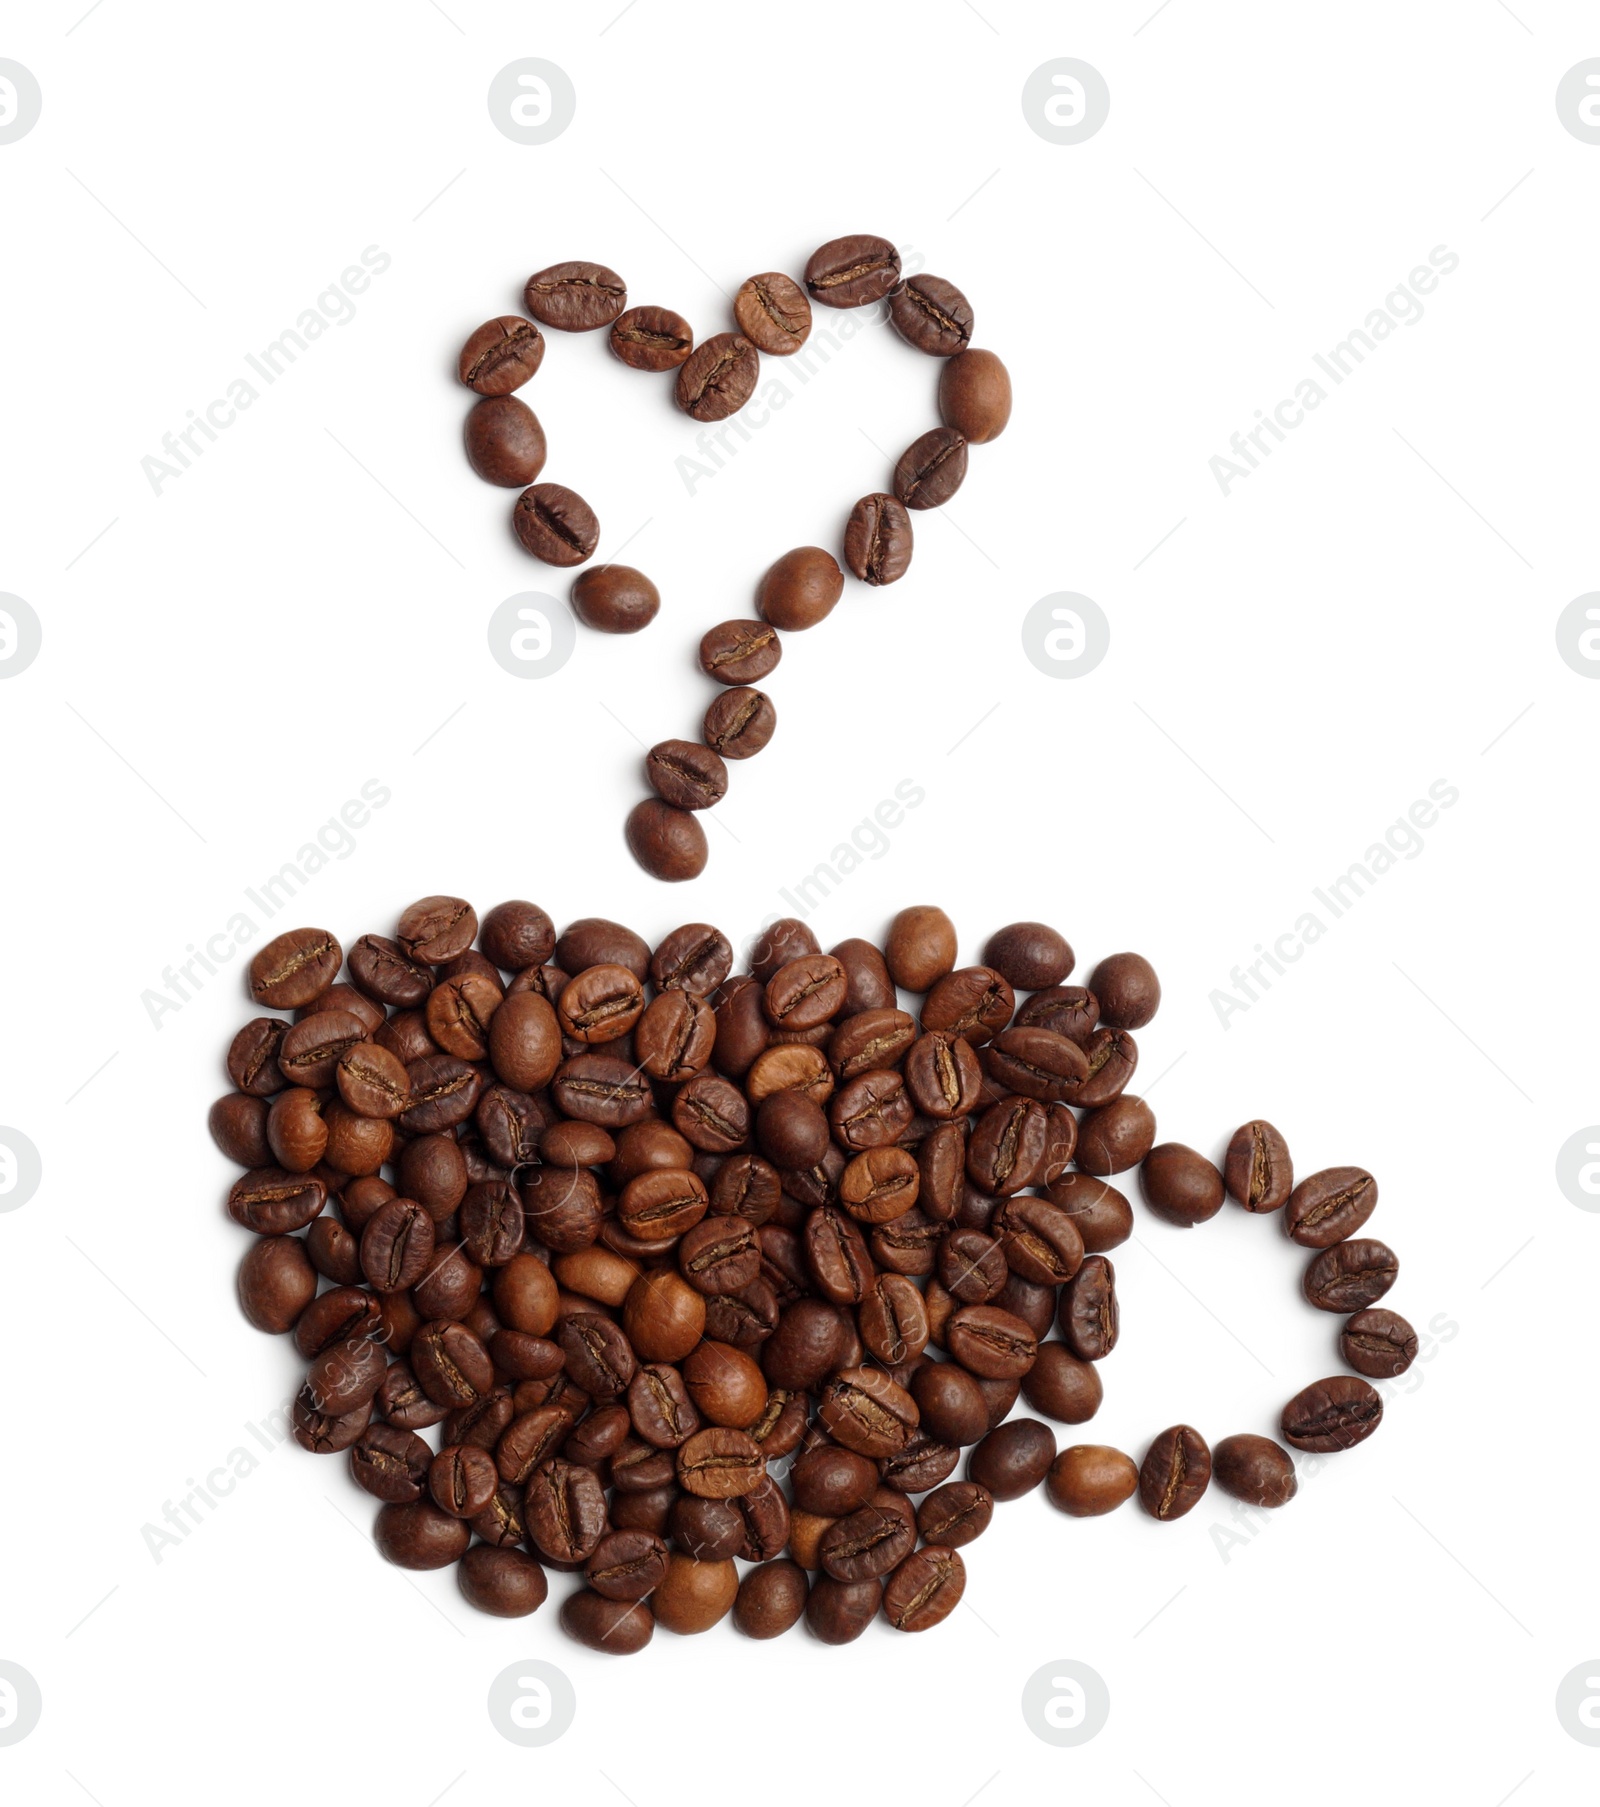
[(720, 1464), (1175, 1473), (718, 377), (651, 338), (1062, 1386), (773, 313), (1258, 1171), (740, 652), (294, 969), (614, 599), (1090, 1479), (1100, 1213), (740, 722), (1088, 1312), (462, 1480), (1326, 1207), (771, 1599), (501, 355), (1116, 1136), (931, 469), (575, 297), (1351, 1275), (1379, 1344), (1255, 1470), (955, 1514), (626, 1565), (800, 589), (1179, 1185), (865, 1411), (932, 315), (564, 1508), (878, 539), (1332, 1415), (975, 395), (991, 1343), (504, 442), (852, 271), (555, 524), (669, 843)]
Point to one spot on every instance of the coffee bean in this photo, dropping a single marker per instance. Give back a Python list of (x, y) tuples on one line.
[(837, 1612), (651, 338), (397, 1246), (1038, 1063), (720, 1464), (773, 313), (686, 774), (1379, 1344), (501, 355), (771, 1599), (555, 524), (931, 469), (1030, 956), (1255, 1470), (852, 271), (276, 1283), (614, 599), (865, 1411), (1332, 1415), (955, 1514), (739, 723), (991, 1343), (1088, 1315), (436, 930), (419, 1536), (294, 969), (626, 1565), (878, 539), (462, 1480), (1351, 1275), (1038, 1241), (382, 970), (866, 1545), (1258, 1171), (932, 315), (1175, 1473), (1325, 1208), (272, 1202), (1070, 1010), (975, 395), (1116, 1136), (575, 297), (564, 1507), (740, 652), (503, 1582), (1179, 1185), (615, 1627), (451, 1365), (1062, 1386), (718, 377), (669, 843), (504, 441), (695, 958), (1013, 1459), (1089, 1479), (800, 589), (390, 1463)]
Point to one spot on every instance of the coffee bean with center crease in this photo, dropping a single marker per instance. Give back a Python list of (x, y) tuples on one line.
[(991, 1343), (955, 1514), (1258, 1171), (695, 958), (295, 969), (1088, 1313), (866, 1545), (1255, 1470), (651, 338), (615, 599), (1379, 1344), (863, 1409), (853, 271), (397, 1246), (932, 315), (931, 469), (1036, 1062), (564, 1508), (575, 297), (390, 1463), (505, 443), (451, 1365), (686, 774), (272, 1202), (462, 1480), (501, 355), (626, 1565), (1351, 1275), (1175, 1472), (555, 524), (599, 1359), (740, 652), (773, 313), (718, 377), (1326, 1207), (878, 539), (669, 843), (740, 722), (1332, 1415), (720, 1464)]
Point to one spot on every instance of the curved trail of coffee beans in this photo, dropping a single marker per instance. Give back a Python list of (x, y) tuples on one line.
[(506, 445), (644, 1239)]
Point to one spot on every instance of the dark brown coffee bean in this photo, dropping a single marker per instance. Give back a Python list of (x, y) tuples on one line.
[(651, 338), (805, 993), (491, 1223), (764, 1514), (272, 1202), (1326, 1207), (669, 843), (614, 599), (599, 1359), (1102, 1216), (1175, 1473), (771, 1599), (462, 1480), (1332, 1415), (720, 1464), (397, 1246), (950, 1401), (837, 1612), (1258, 1171), (1255, 1470), (382, 970), (686, 774), (974, 1002), (1117, 1136), (866, 1545), (276, 1283), (931, 469), (253, 1057), (555, 524), (601, 1004), (435, 930), (695, 958), (675, 1036), (740, 652), (504, 442), (1037, 1063), (1379, 1344), (836, 1254), (451, 1365), (1062, 1386), (1038, 1240), (501, 355), (1179, 1185), (773, 313), (740, 722), (1090, 1479), (718, 377), (614, 1627), (878, 539), (310, 1050), (660, 1407), (519, 1356), (564, 1508), (800, 589), (504, 1582), (975, 395), (344, 1314), (709, 1530), (1013, 1458), (1112, 1057), (1031, 956), (419, 1536), (943, 1075), (1007, 1149), (893, 1320), (390, 1463), (530, 1439), (852, 271), (932, 315), (719, 1255), (865, 1411), (575, 297), (1088, 1313), (972, 1266), (626, 1565), (991, 1343), (955, 1514), (345, 1376), (869, 1040), (1128, 990), (294, 969), (1351, 1275)]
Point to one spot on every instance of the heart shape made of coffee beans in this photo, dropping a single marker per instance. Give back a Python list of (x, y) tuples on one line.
[(713, 380), (647, 1240)]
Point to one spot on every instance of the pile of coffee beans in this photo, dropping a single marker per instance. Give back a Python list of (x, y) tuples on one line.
[(772, 312), (692, 1269)]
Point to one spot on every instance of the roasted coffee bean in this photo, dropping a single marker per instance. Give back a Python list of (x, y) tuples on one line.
[(1062, 1386), (502, 1581), (663, 1317), (713, 1114), (695, 959), (878, 539), (1332, 1414), (800, 589), (745, 1318), (837, 1256), (951, 1403), (600, 1089), (575, 297), (669, 843), (326, 1433), (1038, 1240), (390, 1463), (1117, 1136), (296, 1133), (381, 969), (853, 271), (879, 1185), (992, 1343), (740, 652), (660, 1407), (837, 1612), (451, 1365), (272, 1202), (599, 1359), (345, 1376), (871, 1111), (522, 1357), (615, 599), (1351, 1275), (597, 941), (764, 1514), (1255, 1470), (893, 1320), (500, 1522), (1379, 1344), (601, 1004), (943, 1075), (675, 1036), (501, 355), (865, 1411), (720, 1463), (1069, 1010), (710, 1530), (437, 929), (615, 1627), (442, 1091), (931, 469), (805, 993), (397, 1246), (974, 1002), (1101, 1215), (419, 1536), (971, 1266), (1175, 1473), (462, 1480), (975, 395), (718, 377), (932, 315), (276, 1283), (482, 1421), (1128, 990), (1089, 1479), (686, 774), (773, 313), (1179, 1185), (1013, 1459), (1326, 1207), (310, 1049), (720, 1255), (561, 1207), (693, 1596), (294, 969), (771, 1599), (1258, 1171), (868, 1040), (626, 1565), (1007, 1149), (555, 524), (955, 1514), (1037, 1063), (651, 338), (726, 1385), (492, 1223), (1088, 1312), (1112, 1057), (530, 1439), (564, 1508), (505, 443), (334, 1252), (739, 723), (343, 1314), (866, 1545), (253, 1057)]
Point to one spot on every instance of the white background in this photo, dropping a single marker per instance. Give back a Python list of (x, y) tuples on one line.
[(305, 609)]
